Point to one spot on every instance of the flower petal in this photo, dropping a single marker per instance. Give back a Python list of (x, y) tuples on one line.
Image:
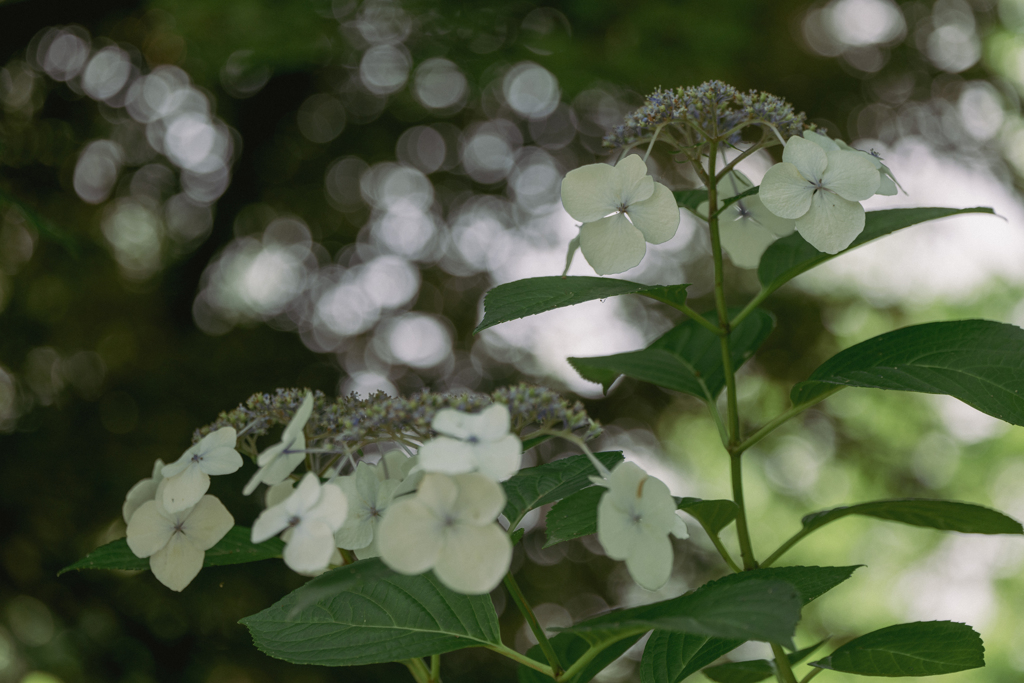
[(148, 530), (355, 533), (616, 530), (785, 192), (679, 529), (453, 423), (501, 459), (587, 192), (278, 493), (612, 245), (826, 143), (658, 217), (832, 223), (270, 522), (732, 184), (311, 545), (221, 460), (745, 241), (650, 563), (207, 523), (225, 437), (624, 483), (281, 467), (179, 465), (298, 421), (886, 185), (177, 563), (142, 491), (492, 423), (480, 499), (410, 536), (439, 493), (474, 559), (809, 159), (448, 456), (184, 490), (851, 176), (758, 212), (630, 182), (331, 508), (306, 495)]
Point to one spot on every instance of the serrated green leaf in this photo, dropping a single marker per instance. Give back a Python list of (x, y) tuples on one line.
[(574, 516), (234, 548), (976, 361), (532, 487), (934, 514), (713, 515), (673, 657), (923, 648), (687, 358), (754, 670), (367, 614), (569, 648), (792, 255), (535, 295), (690, 199)]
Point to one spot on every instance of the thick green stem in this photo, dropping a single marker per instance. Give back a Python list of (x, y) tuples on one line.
[(531, 619), (742, 530), (506, 651), (435, 668), (587, 657), (698, 318), (418, 669), (782, 664), (793, 540), (810, 674), (777, 422)]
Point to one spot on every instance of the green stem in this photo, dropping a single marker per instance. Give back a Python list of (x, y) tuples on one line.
[(717, 417), (506, 651), (793, 540), (724, 553), (418, 669), (587, 657), (811, 674), (780, 420), (742, 530), (749, 308), (531, 619), (746, 153), (435, 668), (782, 664), (698, 318)]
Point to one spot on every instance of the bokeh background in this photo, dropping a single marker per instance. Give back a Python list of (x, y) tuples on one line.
[(204, 199)]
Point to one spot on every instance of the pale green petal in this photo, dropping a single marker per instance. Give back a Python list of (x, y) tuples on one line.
[(612, 245), (143, 490), (270, 454), (311, 546), (448, 456), (366, 483), (282, 467), (587, 192), (826, 143), (630, 182), (179, 465), (650, 563), (207, 523), (306, 495), (624, 484), (355, 533), (394, 465), (225, 437), (832, 223), (887, 185), (656, 506), (220, 460), (757, 211), (658, 217), (278, 493), (410, 536), (184, 490), (474, 559), (270, 522), (785, 192), (177, 563), (851, 176), (439, 493), (732, 184), (331, 508), (679, 529), (499, 460), (492, 423), (809, 159), (370, 550), (453, 423), (616, 529), (745, 241), (480, 499), (148, 530), (298, 422)]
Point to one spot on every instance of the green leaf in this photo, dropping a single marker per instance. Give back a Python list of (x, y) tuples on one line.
[(934, 514), (687, 358), (367, 614), (234, 548), (569, 648), (792, 255), (754, 670), (574, 516), (713, 515), (671, 657), (729, 201), (923, 648), (690, 199), (532, 487), (976, 361), (536, 295)]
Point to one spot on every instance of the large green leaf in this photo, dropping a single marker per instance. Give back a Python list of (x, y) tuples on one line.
[(671, 657), (923, 648), (366, 614), (535, 295), (792, 255), (532, 487), (979, 362), (687, 358), (234, 548), (755, 670), (713, 515), (570, 647), (690, 199), (573, 516), (935, 514)]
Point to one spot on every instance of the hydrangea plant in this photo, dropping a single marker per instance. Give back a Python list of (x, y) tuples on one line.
[(407, 510)]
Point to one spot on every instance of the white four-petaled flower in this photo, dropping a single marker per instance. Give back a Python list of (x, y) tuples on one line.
[(176, 542), (621, 209), (471, 442), (634, 519), (746, 228), (143, 490), (449, 526), (368, 496), (281, 459), (821, 191), (188, 477), (887, 184), (312, 514)]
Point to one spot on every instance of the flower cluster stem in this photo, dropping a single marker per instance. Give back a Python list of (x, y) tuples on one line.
[(782, 664), (531, 619)]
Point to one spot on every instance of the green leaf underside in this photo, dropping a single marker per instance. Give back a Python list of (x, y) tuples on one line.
[(234, 548), (690, 199), (671, 657), (532, 487), (366, 614), (924, 648), (976, 361), (788, 257), (535, 295), (935, 514), (569, 648), (756, 669), (573, 516), (687, 358), (713, 515)]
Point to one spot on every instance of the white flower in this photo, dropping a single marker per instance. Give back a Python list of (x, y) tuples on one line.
[(449, 526), (312, 513), (176, 542), (281, 459), (887, 184), (144, 490), (821, 191), (368, 495), (621, 209), (473, 442), (188, 477), (634, 518), (746, 228)]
